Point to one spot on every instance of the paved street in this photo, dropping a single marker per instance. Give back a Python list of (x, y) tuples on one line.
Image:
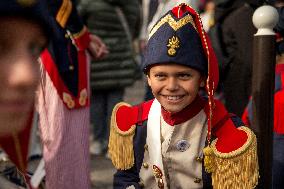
[(102, 169), (102, 172)]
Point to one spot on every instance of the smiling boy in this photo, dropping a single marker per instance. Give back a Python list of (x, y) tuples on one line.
[(175, 86), (181, 139)]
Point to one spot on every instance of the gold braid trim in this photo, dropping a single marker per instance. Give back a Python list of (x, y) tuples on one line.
[(176, 25), (80, 33), (64, 12), (120, 145), (237, 169)]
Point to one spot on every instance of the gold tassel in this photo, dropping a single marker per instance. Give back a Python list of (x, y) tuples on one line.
[(208, 159), (121, 143), (237, 169)]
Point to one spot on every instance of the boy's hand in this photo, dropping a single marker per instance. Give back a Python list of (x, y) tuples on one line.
[(97, 48)]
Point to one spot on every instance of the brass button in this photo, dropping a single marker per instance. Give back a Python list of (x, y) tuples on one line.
[(71, 67), (197, 180), (199, 159), (182, 145), (145, 165), (146, 147)]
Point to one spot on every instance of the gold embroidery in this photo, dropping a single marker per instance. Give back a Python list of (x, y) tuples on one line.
[(64, 12), (68, 100), (174, 24), (80, 33), (173, 45), (83, 97), (159, 176), (237, 169), (236, 152)]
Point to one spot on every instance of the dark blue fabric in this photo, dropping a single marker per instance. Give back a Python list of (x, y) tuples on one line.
[(278, 161), (190, 53), (64, 54), (122, 179), (278, 83), (35, 11), (237, 121), (139, 143), (62, 49)]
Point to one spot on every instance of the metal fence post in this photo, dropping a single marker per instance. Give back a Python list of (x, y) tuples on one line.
[(264, 19)]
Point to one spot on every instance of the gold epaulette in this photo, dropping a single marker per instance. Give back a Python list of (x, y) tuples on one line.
[(234, 170), (121, 141)]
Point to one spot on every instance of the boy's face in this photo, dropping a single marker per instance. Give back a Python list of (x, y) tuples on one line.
[(174, 86), (21, 42)]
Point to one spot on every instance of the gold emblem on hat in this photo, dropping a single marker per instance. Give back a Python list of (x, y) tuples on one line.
[(173, 45), (26, 3)]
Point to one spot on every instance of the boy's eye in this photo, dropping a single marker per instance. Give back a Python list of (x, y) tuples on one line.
[(184, 76), (160, 76)]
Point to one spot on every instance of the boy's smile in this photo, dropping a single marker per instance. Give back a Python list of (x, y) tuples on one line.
[(174, 86)]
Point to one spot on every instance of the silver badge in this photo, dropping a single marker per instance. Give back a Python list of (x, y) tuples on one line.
[(182, 145)]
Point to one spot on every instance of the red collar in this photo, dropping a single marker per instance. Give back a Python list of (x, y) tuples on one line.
[(184, 115)]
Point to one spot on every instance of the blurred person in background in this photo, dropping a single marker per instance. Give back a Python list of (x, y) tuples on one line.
[(117, 23), (207, 15), (235, 34), (149, 8), (63, 100), (19, 78)]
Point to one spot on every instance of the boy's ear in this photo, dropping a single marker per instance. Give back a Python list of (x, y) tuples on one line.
[(149, 80)]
